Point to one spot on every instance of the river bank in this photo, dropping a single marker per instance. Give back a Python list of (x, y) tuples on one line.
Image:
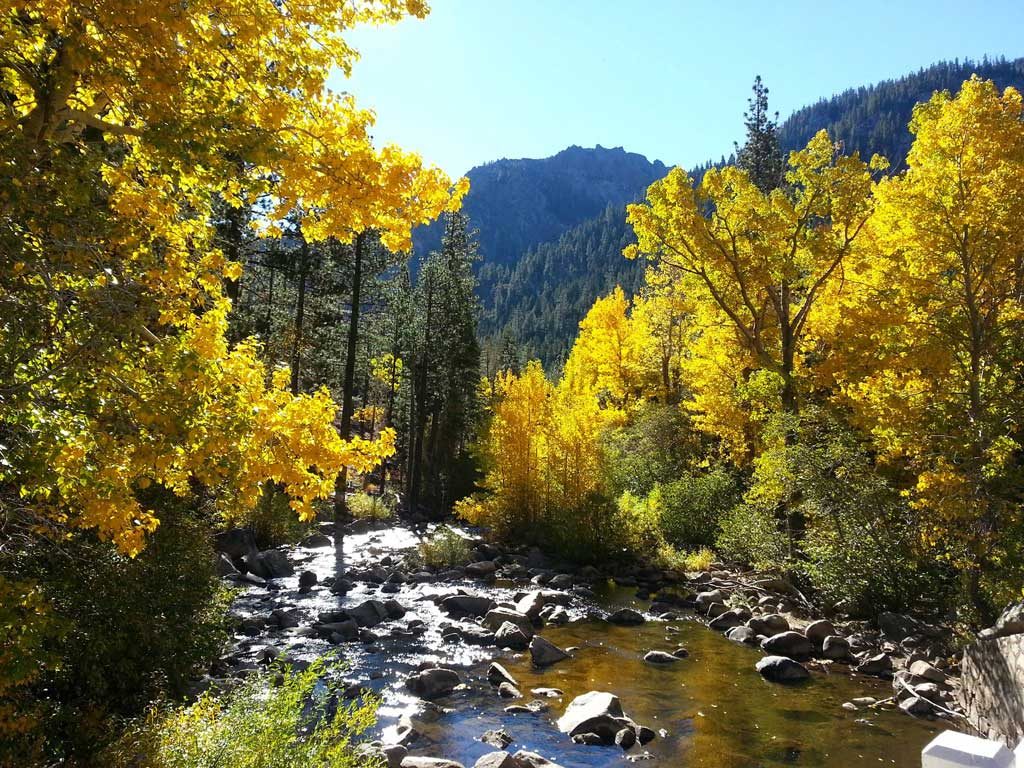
[(365, 598)]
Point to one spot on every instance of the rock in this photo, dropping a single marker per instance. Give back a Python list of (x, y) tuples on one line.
[(394, 609), (896, 626), (225, 567), (316, 541), (595, 712), (526, 759), (780, 669), (879, 665), (817, 631), (499, 759), (626, 617), (558, 615), (284, 619), (589, 573), (705, 599), (728, 620), (498, 616), (497, 674), (416, 761), (791, 644), (549, 693), (531, 605), (496, 738), (588, 739), (744, 635), (433, 683), (236, 543), (269, 564), (644, 734), (369, 613), (467, 605), (480, 569), (926, 671), (1010, 622), (680, 653), (344, 630), (770, 624), (394, 754), (545, 653), (307, 579), (917, 706), (660, 657), (511, 636), (561, 581), (509, 691), (836, 648), (625, 738)]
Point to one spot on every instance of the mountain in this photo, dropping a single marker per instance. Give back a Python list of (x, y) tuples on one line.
[(517, 204), (552, 231)]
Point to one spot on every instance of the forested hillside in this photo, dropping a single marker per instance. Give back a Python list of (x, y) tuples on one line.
[(538, 300)]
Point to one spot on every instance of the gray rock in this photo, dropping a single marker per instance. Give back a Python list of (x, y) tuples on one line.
[(644, 734), (433, 683), (780, 669), (225, 567), (728, 620), (482, 568), (879, 665), (817, 631), (705, 599), (284, 619), (926, 671), (496, 738), (660, 657), (625, 738), (561, 581), (791, 644), (1010, 622), (307, 579), (595, 712), (509, 691), (511, 636), (317, 541), (917, 706), (770, 624), (416, 761), (626, 617), (497, 674), (499, 759), (836, 648), (525, 759), (236, 543), (394, 754), (467, 605), (269, 564), (345, 630), (498, 616), (369, 613), (544, 653), (744, 635), (896, 626), (532, 604)]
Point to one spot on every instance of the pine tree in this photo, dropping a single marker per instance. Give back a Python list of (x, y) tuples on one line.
[(761, 157)]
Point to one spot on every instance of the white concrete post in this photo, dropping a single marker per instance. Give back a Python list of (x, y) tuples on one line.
[(951, 749)]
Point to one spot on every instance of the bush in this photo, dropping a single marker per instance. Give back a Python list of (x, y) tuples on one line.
[(654, 448), (750, 533), (693, 505), (444, 548), (132, 629), (293, 720), (364, 506), (274, 522)]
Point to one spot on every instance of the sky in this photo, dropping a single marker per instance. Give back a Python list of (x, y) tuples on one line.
[(479, 80)]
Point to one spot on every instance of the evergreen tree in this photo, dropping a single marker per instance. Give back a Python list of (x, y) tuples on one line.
[(761, 156)]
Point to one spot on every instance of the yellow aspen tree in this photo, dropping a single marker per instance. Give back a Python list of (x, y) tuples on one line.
[(122, 123), (933, 323), (754, 265)]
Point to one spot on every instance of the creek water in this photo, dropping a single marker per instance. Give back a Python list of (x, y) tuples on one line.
[(712, 709)]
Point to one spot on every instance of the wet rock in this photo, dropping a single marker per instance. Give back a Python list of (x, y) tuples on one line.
[(467, 605), (588, 739), (474, 635), (561, 581), (509, 691), (531, 604), (925, 671), (497, 674), (345, 630), (660, 657), (341, 586), (625, 738), (284, 619), (680, 653), (780, 669), (498, 616), (499, 759), (558, 615), (369, 613), (704, 600), (416, 761), (549, 693), (225, 567), (644, 734), (626, 617), (307, 579), (394, 609), (917, 706), (525, 759), (518, 709), (835, 648), (236, 543), (481, 569), (317, 541), (744, 635), (269, 564), (595, 712), (433, 683), (879, 665), (896, 626), (394, 754), (791, 644), (817, 631), (729, 620), (544, 653), (511, 636), (589, 573), (770, 624), (498, 738)]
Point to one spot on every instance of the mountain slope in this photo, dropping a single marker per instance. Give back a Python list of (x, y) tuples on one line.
[(539, 300)]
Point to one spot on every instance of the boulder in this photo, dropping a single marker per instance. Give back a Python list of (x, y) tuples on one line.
[(791, 644), (394, 754), (705, 599), (744, 635), (467, 605), (660, 657), (269, 564), (433, 683), (225, 567), (284, 619), (509, 691), (236, 543), (395, 610), (511, 636), (770, 624), (922, 669), (499, 759), (496, 738), (307, 579), (780, 669), (836, 648), (316, 541), (497, 674), (728, 620), (625, 738), (369, 613), (561, 581), (417, 761), (545, 653), (481, 569), (817, 631), (595, 712), (526, 759), (498, 616), (896, 626), (531, 604), (1010, 622), (917, 706), (342, 630), (879, 665), (626, 617)]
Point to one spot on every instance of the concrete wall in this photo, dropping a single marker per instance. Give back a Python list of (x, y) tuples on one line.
[(993, 687)]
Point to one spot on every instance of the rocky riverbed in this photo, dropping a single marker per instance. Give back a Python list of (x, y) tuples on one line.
[(515, 660)]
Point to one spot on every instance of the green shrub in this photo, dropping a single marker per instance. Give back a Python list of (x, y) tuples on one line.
[(655, 447), (274, 522), (272, 720), (364, 506), (750, 533), (693, 505), (444, 549)]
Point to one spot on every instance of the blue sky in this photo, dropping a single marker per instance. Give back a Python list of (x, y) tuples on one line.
[(479, 80)]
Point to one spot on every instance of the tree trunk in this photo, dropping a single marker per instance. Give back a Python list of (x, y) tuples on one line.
[(300, 309), (350, 373)]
